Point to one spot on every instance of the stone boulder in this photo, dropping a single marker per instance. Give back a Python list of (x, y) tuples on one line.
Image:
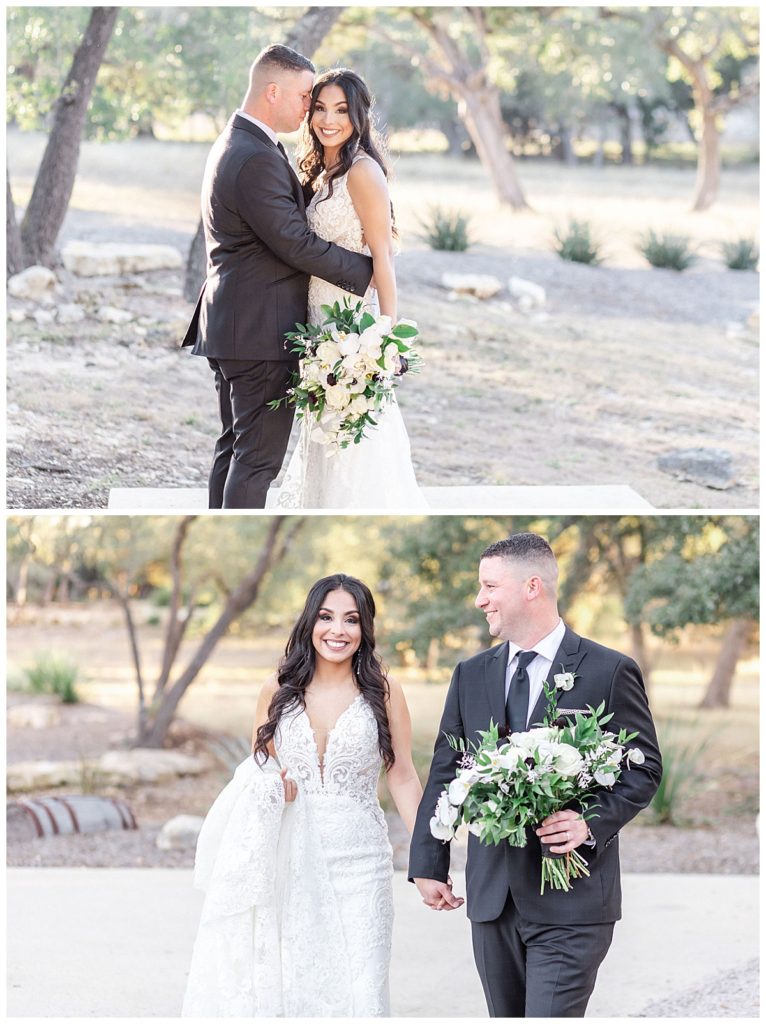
[(528, 294), (180, 833), (33, 716), (34, 283), (113, 315), (711, 467), (126, 767), (99, 259), (27, 776), (70, 313), (482, 286)]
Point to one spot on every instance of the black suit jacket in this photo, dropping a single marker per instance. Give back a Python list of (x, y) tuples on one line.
[(476, 695), (260, 251)]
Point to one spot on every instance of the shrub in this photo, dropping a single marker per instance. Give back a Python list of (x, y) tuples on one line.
[(446, 229), (577, 244), (52, 674), (667, 251), (680, 768), (740, 255)]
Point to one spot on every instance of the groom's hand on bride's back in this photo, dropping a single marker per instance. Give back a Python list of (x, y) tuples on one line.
[(438, 895)]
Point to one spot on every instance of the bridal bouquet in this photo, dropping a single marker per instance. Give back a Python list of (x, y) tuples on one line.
[(500, 791), (350, 365)]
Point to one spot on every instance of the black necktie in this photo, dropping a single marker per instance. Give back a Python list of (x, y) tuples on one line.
[(517, 701), (283, 151)]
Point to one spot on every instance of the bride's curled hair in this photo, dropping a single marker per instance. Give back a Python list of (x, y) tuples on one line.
[(365, 136), (296, 669)]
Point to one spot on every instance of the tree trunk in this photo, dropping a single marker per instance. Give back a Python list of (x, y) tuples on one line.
[(626, 134), (240, 599), (481, 114), (432, 656), (305, 36), (708, 162), (55, 179), (640, 652), (196, 265), (177, 621), (14, 251), (563, 149), (733, 647)]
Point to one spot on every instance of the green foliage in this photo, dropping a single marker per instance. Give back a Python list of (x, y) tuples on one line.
[(446, 230), (702, 583), (577, 244), (53, 674), (667, 251), (681, 757), (740, 255)]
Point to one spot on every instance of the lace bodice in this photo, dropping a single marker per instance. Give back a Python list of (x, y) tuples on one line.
[(351, 763), (335, 218)]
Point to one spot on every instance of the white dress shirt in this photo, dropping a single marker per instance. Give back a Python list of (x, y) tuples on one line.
[(539, 669), (259, 124)]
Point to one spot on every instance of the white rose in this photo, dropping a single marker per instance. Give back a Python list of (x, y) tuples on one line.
[(439, 831), (636, 756), (312, 372), (384, 323), (328, 353), (370, 341), (348, 344), (337, 397), (567, 760), (509, 757), (531, 740), (564, 680), (359, 405)]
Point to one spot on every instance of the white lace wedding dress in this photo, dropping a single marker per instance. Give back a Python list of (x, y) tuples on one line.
[(378, 472), (298, 911)]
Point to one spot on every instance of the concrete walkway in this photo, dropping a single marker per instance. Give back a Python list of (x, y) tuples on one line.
[(117, 943), (607, 498)]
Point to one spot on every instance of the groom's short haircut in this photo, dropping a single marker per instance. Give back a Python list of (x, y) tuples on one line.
[(530, 549), (279, 58)]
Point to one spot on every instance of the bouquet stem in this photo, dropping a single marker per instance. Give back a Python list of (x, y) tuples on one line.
[(558, 870)]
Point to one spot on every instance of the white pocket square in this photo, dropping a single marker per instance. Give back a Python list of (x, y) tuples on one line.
[(573, 711)]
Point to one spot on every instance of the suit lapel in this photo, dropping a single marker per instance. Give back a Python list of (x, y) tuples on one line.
[(494, 674), (237, 121), (568, 657)]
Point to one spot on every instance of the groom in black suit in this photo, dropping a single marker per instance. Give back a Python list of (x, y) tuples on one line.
[(261, 254), (537, 956)]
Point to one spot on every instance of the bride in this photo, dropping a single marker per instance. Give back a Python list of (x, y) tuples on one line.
[(294, 854), (339, 160)]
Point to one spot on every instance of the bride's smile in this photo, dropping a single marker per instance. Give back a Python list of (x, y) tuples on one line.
[(337, 633)]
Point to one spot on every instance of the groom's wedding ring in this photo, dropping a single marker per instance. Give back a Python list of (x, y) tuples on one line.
[(569, 836)]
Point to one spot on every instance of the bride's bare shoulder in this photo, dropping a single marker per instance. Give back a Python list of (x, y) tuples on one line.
[(366, 173)]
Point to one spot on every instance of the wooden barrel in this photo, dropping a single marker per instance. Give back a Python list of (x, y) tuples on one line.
[(64, 815)]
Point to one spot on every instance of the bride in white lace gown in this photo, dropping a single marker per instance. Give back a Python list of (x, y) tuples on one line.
[(351, 207), (294, 854)]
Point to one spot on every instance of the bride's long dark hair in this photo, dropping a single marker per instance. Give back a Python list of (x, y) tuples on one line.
[(365, 136), (296, 669)]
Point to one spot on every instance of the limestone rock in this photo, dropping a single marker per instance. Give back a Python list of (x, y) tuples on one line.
[(42, 317), (180, 833), (97, 259), (528, 294), (113, 315), (711, 467), (33, 716), (17, 315), (70, 313), (35, 283), (125, 767), (26, 776), (483, 286)]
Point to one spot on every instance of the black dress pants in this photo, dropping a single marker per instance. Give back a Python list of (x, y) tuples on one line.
[(253, 440), (538, 970)]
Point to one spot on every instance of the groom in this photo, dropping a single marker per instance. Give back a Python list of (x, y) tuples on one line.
[(260, 255), (537, 956)]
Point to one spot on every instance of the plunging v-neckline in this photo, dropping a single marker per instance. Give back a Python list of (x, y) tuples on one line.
[(321, 760)]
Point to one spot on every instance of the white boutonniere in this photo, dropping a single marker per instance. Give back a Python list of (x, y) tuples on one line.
[(564, 680)]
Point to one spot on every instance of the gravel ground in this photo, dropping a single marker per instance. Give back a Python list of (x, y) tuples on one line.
[(727, 994)]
